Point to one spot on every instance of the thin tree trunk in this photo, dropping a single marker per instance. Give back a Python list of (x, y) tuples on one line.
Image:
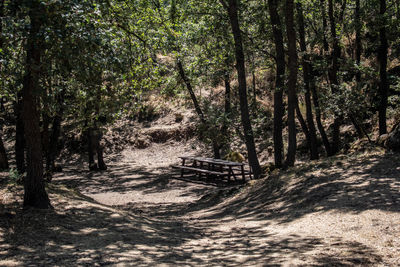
[(279, 82), (197, 107), (35, 194), (19, 135), (358, 40), (227, 95), (382, 58), (225, 146), (333, 76), (55, 133), (315, 97), (253, 77), (324, 26), (358, 49), (3, 153), (292, 79), (45, 132), (91, 149), (306, 77), (190, 90), (232, 9), (303, 125), (318, 119), (99, 135), (100, 157)]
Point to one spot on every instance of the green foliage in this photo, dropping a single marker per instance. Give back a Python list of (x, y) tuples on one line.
[(14, 177), (218, 125)]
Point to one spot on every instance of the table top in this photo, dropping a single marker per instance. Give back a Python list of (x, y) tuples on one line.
[(213, 161)]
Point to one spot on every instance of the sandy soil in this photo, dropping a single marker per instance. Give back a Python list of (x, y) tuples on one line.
[(343, 211)]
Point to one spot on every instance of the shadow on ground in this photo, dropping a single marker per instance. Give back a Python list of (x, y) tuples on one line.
[(96, 236), (355, 186), (80, 231)]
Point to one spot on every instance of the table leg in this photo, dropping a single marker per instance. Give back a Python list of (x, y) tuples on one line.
[(233, 174), (243, 175), (209, 168), (201, 166), (182, 171)]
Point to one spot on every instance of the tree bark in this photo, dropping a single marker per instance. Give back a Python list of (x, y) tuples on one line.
[(35, 194), (190, 90), (306, 77), (19, 135), (358, 40), (3, 153), (45, 135), (99, 150), (91, 142), (55, 133), (318, 118), (333, 76), (279, 82), (225, 147), (382, 58), (303, 125), (324, 26), (292, 79), (227, 94), (232, 9)]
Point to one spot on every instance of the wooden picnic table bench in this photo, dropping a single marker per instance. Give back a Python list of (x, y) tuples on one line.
[(213, 167)]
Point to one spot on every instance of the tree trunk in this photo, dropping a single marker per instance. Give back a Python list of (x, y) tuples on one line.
[(190, 90), (225, 147), (324, 26), (227, 94), (35, 194), (197, 107), (100, 159), (306, 77), (292, 79), (19, 135), (303, 125), (91, 145), (333, 76), (318, 119), (45, 133), (279, 82), (99, 134), (382, 58), (232, 9), (3, 153), (55, 134), (358, 40)]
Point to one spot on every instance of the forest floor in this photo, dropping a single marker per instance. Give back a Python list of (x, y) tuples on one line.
[(342, 211)]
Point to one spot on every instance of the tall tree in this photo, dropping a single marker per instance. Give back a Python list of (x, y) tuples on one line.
[(333, 72), (383, 59), (35, 194), (3, 154), (232, 8), (279, 81), (305, 61), (292, 80), (19, 134)]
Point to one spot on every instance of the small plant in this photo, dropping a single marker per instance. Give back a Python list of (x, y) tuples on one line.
[(15, 177)]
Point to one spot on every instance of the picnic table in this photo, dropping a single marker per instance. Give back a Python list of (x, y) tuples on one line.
[(213, 168)]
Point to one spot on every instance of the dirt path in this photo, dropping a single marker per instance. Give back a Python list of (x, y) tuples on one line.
[(137, 213)]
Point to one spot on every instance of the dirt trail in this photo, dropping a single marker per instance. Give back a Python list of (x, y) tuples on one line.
[(343, 212)]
